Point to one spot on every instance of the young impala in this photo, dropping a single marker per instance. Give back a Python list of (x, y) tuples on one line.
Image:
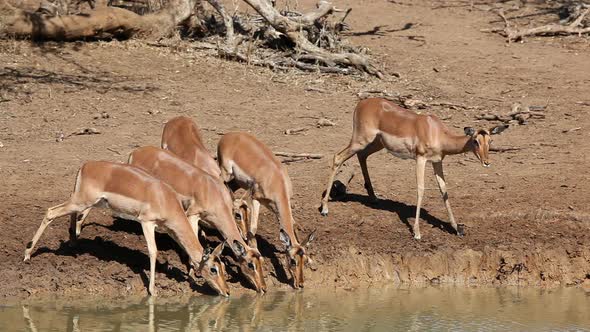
[(379, 123), (254, 167), (209, 203), (182, 136), (135, 194)]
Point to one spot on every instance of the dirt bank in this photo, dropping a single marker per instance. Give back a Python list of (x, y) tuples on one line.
[(527, 217)]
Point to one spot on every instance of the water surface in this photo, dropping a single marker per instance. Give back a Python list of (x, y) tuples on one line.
[(374, 309)]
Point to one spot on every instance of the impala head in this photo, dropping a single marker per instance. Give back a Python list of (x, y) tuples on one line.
[(213, 270), (250, 262), (296, 256), (481, 140)]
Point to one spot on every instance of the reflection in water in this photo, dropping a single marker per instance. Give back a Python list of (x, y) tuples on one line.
[(374, 309)]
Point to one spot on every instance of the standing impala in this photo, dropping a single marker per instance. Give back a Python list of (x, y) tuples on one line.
[(210, 203), (254, 167), (133, 193), (379, 123), (182, 136)]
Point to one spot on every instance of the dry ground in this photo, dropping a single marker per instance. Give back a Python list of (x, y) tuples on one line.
[(527, 217)]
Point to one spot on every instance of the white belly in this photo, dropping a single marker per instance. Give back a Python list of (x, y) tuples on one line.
[(121, 206), (403, 148)]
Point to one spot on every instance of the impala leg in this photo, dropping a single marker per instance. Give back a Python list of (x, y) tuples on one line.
[(150, 237), (253, 224), (440, 179), (57, 211), (375, 146), (338, 160), (420, 167), (76, 222)]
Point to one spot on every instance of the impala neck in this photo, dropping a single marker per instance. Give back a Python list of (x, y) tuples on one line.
[(229, 231), (286, 218), (191, 245), (455, 144)]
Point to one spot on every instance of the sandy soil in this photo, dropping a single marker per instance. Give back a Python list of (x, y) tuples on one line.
[(527, 217)]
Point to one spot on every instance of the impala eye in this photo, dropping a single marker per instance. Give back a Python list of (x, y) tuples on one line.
[(251, 266), (293, 262), (238, 217), (214, 270)]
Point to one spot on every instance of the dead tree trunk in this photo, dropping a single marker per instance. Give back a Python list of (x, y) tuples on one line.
[(99, 23)]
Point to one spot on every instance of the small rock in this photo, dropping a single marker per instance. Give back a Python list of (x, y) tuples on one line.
[(323, 122), (414, 103), (103, 115)]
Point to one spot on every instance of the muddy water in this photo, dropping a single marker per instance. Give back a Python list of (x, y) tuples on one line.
[(375, 309)]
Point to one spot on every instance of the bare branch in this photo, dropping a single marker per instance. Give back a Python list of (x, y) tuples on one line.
[(299, 155)]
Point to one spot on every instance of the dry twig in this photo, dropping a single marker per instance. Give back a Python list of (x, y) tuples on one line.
[(299, 155), (295, 130)]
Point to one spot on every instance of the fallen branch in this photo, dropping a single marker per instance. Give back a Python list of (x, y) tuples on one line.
[(299, 155), (504, 149), (293, 28), (515, 34), (571, 130), (292, 160), (519, 113), (315, 89), (295, 130), (114, 151)]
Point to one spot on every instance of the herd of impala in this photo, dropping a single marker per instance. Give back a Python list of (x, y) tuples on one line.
[(179, 187)]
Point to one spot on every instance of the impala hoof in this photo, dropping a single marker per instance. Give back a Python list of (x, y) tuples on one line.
[(461, 230), (417, 236), (27, 255), (324, 210)]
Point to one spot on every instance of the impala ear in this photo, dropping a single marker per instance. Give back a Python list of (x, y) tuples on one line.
[(310, 238), (469, 131), (285, 239), (206, 254), (218, 249), (186, 203), (238, 248), (498, 129)]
